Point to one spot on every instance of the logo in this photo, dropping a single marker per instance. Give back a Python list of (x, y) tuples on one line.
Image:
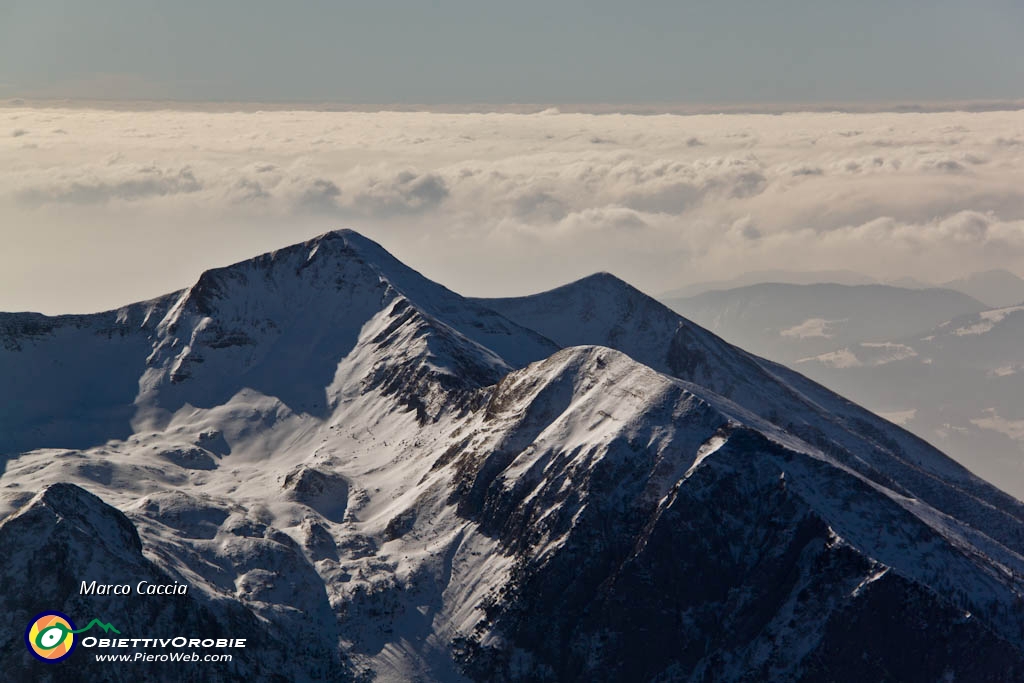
[(50, 636)]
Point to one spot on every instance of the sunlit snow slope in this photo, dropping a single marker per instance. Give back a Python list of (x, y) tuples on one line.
[(374, 478)]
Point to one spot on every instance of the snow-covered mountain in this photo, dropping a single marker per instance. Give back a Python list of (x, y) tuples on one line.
[(374, 478)]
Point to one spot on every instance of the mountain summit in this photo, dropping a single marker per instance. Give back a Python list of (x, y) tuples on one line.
[(373, 477)]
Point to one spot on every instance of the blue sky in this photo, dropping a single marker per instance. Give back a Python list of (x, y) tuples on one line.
[(729, 51)]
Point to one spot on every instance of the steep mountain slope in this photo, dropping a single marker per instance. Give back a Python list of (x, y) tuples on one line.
[(373, 477), (605, 310), (695, 551), (280, 322), (63, 531), (273, 324), (72, 380), (680, 558)]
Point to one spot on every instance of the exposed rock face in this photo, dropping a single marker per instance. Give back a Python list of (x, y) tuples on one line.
[(366, 475), (65, 536)]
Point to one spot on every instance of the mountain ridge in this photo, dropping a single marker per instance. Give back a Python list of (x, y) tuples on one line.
[(434, 487)]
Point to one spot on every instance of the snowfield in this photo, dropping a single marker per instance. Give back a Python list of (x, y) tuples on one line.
[(374, 478)]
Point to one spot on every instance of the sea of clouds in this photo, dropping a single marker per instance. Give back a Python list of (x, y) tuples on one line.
[(101, 207)]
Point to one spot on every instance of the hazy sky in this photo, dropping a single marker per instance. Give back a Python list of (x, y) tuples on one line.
[(99, 208), (526, 51)]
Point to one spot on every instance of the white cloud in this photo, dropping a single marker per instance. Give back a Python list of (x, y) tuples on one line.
[(992, 420), (539, 199), (606, 219), (811, 328), (900, 417), (99, 184), (395, 193)]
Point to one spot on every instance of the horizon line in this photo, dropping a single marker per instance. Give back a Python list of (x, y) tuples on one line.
[(594, 108)]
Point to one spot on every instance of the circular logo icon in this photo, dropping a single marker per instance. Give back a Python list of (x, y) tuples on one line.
[(50, 636)]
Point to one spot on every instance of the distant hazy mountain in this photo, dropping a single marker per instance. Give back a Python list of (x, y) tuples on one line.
[(795, 277), (960, 386), (370, 477), (996, 288), (788, 322), (929, 359), (909, 283)]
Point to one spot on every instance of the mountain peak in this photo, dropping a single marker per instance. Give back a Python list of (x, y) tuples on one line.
[(601, 281), (602, 276), (602, 299), (352, 243), (336, 263), (282, 321), (348, 458), (338, 245), (88, 514)]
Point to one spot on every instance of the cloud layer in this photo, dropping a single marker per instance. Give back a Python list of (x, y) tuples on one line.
[(502, 203)]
